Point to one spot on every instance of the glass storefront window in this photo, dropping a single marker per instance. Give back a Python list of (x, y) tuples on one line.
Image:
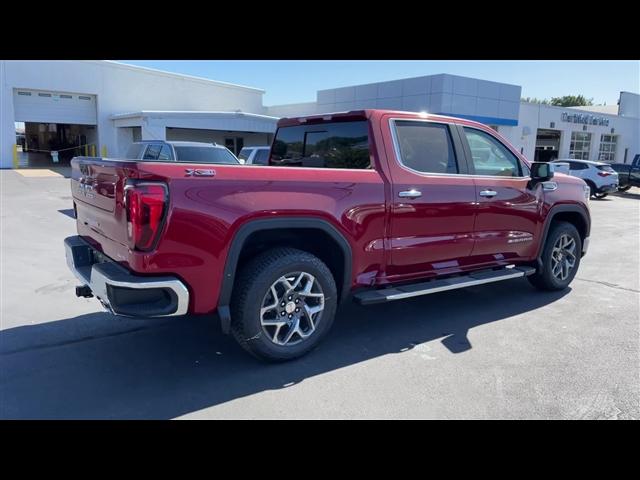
[(607, 148), (580, 145)]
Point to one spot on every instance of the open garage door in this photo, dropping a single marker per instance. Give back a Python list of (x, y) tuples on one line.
[(54, 107), (58, 122)]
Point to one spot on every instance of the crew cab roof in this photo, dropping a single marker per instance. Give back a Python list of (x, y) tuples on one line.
[(352, 115)]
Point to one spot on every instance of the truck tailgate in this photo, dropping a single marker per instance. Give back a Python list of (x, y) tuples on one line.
[(97, 186)]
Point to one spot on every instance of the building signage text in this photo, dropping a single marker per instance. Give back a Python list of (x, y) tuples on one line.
[(585, 118)]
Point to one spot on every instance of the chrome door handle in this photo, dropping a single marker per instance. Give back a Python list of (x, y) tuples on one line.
[(488, 193), (413, 193)]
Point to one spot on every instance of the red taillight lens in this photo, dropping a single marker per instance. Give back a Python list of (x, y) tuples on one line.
[(146, 206), (604, 174)]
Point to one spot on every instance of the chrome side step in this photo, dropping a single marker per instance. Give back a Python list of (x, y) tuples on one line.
[(370, 297)]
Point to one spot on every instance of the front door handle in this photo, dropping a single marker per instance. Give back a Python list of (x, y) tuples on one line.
[(488, 193), (413, 193)]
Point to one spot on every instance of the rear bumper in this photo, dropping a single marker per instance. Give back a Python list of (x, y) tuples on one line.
[(122, 292), (613, 187)]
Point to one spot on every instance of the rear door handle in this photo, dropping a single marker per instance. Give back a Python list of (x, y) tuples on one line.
[(488, 193), (413, 193)]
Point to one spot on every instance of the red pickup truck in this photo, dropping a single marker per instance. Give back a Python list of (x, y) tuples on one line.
[(372, 205)]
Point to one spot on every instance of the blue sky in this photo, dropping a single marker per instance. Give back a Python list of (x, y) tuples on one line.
[(298, 81)]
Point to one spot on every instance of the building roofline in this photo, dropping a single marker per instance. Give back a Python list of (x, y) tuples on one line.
[(112, 63), (418, 76), (189, 113), (572, 109)]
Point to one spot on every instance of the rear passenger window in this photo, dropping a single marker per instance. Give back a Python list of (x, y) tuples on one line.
[(426, 147), (152, 152), (489, 156), (325, 145)]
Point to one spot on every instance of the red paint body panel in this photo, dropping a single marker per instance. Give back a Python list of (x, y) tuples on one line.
[(447, 230)]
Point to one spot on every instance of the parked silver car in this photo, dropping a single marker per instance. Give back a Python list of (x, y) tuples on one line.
[(171, 151)]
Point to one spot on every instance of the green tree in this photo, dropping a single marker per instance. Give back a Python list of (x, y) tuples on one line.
[(544, 101), (572, 101)]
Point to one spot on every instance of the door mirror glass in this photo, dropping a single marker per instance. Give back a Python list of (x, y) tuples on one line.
[(541, 172)]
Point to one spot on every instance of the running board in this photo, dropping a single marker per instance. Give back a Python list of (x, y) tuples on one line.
[(370, 297)]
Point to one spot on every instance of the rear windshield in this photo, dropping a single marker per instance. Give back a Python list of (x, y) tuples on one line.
[(245, 153), (135, 150), (205, 155), (605, 168), (325, 145)]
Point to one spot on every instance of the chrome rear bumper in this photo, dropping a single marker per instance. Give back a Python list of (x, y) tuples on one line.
[(122, 292)]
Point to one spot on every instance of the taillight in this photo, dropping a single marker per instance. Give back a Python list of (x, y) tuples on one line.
[(604, 174), (146, 207)]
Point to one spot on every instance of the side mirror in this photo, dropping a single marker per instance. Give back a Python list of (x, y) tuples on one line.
[(540, 172)]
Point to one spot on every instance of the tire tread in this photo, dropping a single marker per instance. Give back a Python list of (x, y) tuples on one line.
[(269, 260)]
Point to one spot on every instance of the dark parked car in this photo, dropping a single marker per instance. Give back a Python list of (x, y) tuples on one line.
[(628, 174)]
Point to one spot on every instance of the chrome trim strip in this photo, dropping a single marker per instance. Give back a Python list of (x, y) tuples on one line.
[(99, 282), (396, 149)]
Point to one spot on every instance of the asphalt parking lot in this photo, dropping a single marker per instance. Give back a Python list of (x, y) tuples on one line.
[(493, 351)]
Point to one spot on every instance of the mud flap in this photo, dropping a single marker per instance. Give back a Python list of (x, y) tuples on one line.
[(225, 319)]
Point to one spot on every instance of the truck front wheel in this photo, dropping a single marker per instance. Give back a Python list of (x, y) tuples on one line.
[(560, 258), (283, 304)]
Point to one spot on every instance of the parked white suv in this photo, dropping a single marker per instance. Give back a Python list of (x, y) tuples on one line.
[(255, 155), (601, 178)]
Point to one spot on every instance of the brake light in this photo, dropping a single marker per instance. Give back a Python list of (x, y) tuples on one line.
[(604, 174), (146, 207)]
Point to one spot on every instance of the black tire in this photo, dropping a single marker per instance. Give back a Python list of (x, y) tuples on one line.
[(624, 189), (546, 280), (252, 289), (599, 196)]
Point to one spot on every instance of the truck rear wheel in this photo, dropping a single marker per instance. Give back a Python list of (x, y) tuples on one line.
[(560, 258), (283, 304)]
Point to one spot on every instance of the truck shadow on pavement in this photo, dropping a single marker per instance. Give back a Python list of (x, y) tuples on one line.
[(165, 368)]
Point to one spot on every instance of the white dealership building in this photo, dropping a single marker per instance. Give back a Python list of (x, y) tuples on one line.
[(100, 107)]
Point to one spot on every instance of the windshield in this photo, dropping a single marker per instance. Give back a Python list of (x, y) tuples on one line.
[(205, 155), (245, 153)]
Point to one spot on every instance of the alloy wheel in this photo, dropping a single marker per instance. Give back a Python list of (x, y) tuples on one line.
[(292, 308), (563, 257)]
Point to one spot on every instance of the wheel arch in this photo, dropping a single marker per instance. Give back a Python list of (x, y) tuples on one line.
[(268, 226), (574, 214)]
